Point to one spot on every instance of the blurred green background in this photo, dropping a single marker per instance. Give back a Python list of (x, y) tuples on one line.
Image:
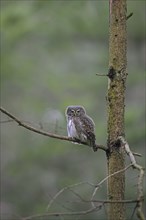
[(50, 54)]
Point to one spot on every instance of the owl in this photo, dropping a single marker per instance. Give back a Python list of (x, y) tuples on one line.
[(80, 126)]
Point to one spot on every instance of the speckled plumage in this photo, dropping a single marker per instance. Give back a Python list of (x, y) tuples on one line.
[(80, 126)]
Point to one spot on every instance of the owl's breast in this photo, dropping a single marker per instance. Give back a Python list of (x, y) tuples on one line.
[(74, 130), (71, 129)]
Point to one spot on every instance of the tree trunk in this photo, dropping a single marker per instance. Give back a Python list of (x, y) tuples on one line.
[(115, 102)]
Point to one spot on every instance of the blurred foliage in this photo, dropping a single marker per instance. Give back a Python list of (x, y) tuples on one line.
[(50, 54)]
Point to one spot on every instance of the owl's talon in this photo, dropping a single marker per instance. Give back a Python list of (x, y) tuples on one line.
[(77, 140)]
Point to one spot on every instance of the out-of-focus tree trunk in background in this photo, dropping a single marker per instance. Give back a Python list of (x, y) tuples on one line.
[(115, 102)]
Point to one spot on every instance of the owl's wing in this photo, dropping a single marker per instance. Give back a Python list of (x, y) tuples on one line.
[(86, 126)]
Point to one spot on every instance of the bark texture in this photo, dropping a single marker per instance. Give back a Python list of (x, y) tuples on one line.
[(115, 102)]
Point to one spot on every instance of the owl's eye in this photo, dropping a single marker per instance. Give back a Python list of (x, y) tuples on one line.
[(72, 111), (78, 110)]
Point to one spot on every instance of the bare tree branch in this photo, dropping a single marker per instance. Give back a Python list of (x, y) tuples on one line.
[(61, 191), (140, 194), (42, 132), (115, 201), (105, 179), (52, 135), (85, 212), (92, 201), (129, 16)]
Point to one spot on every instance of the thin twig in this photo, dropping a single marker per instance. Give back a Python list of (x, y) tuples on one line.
[(140, 194), (131, 218), (99, 74), (129, 16), (84, 212), (42, 132), (105, 179), (6, 121), (92, 200), (108, 201), (115, 201), (61, 205), (64, 189), (78, 195)]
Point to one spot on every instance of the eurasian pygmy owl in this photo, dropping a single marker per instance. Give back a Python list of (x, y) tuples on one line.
[(80, 126)]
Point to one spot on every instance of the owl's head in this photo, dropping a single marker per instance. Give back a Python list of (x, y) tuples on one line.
[(75, 111)]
